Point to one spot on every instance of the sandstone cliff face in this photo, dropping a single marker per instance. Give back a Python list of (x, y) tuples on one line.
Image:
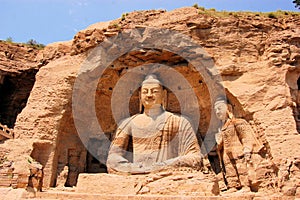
[(257, 58), (17, 72), (18, 65)]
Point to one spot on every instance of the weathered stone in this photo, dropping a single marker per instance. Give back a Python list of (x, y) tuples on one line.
[(263, 86), (189, 184)]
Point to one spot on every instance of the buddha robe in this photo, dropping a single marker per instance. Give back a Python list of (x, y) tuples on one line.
[(168, 141), (236, 139)]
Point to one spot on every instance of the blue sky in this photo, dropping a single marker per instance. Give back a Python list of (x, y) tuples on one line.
[(48, 21)]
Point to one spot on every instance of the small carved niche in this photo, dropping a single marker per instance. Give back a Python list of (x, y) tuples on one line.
[(293, 80), (297, 107)]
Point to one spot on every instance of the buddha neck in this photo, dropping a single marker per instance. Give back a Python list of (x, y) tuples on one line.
[(227, 120), (154, 111)]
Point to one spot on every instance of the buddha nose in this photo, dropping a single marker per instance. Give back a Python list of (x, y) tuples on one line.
[(149, 94)]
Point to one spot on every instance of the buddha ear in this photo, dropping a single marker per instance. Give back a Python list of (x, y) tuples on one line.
[(230, 111), (140, 103), (165, 99)]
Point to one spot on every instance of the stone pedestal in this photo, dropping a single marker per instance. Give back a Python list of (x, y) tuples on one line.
[(162, 183)]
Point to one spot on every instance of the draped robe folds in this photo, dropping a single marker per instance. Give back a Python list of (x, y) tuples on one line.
[(235, 140), (169, 141)]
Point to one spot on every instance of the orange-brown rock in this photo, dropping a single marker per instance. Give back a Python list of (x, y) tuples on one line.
[(257, 57), (170, 183)]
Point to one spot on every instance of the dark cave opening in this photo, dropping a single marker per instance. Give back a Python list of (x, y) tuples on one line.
[(15, 89), (297, 108)]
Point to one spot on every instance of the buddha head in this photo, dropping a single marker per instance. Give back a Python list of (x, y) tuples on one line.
[(223, 109), (152, 93)]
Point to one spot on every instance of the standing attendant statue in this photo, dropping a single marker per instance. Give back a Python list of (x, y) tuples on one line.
[(238, 148), (155, 139)]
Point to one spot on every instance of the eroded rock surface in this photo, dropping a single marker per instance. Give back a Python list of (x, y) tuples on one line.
[(163, 183), (257, 57)]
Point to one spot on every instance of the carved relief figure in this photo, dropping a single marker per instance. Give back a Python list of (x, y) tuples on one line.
[(155, 139), (36, 176), (240, 152)]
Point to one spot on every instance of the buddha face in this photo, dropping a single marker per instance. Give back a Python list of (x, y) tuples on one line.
[(151, 95), (221, 110)]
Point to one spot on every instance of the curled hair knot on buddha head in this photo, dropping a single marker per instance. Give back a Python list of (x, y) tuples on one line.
[(151, 79)]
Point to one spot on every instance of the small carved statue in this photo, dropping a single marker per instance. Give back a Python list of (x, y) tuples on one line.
[(238, 148), (62, 177), (155, 139), (36, 176)]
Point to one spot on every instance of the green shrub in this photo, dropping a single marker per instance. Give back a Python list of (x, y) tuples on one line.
[(236, 15), (9, 40), (196, 6), (201, 8), (272, 15), (33, 43), (123, 17)]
